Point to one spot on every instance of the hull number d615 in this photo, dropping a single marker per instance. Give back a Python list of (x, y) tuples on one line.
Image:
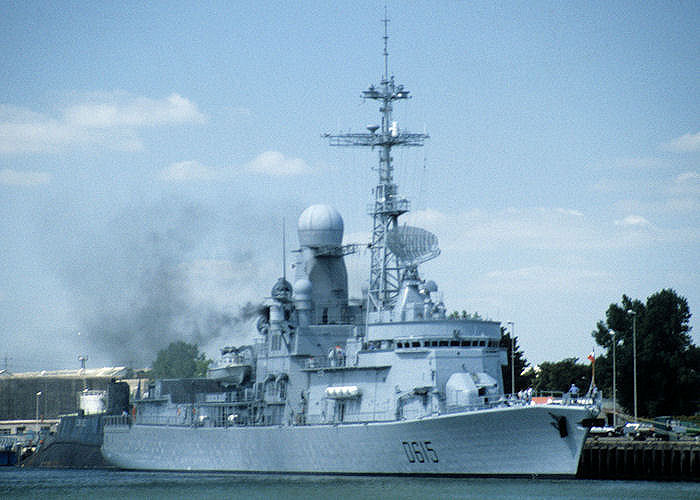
[(420, 452)]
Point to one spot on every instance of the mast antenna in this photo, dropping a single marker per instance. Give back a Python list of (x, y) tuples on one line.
[(388, 205), (386, 42), (284, 250)]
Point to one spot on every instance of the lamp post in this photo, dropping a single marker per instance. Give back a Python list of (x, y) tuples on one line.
[(38, 394), (512, 357), (634, 357), (614, 382)]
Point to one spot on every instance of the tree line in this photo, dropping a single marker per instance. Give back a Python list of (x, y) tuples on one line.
[(668, 362)]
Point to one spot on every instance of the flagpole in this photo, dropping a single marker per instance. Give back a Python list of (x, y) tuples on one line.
[(591, 358)]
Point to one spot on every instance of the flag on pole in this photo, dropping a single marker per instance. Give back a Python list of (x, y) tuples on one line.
[(591, 357)]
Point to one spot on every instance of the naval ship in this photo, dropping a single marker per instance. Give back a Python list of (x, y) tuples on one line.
[(385, 384)]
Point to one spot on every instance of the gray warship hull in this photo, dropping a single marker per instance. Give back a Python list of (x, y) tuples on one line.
[(520, 441), (386, 383)]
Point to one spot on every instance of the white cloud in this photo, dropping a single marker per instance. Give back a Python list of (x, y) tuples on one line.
[(633, 220), (123, 110), (276, 164), (190, 171), (272, 163), (112, 120), (686, 183), (11, 177), (568, 211), (684, 144)]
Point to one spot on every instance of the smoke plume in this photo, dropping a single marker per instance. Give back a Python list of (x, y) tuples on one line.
[(142, 284)]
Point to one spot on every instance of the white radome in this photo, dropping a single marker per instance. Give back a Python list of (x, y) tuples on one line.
[(320, 225)]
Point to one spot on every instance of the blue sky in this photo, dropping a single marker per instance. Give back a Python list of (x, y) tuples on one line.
[(149, 152)]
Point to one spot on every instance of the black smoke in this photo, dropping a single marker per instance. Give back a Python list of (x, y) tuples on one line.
[(131, 288)]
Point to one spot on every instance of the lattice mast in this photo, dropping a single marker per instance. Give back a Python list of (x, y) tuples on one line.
[(388, 205)]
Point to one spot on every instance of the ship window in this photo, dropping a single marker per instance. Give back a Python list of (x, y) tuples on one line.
[(434, 343), (426, 343), (324, 316), (482, 343), (415, 344), (444, 343), (454, 343), (399, 345)]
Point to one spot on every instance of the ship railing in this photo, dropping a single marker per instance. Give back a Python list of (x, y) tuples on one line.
[(325, 362), (354, 418), (117, 420), (180, 421), (552, 397)]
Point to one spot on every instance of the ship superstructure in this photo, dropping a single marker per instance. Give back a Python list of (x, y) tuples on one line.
[(385, 384)]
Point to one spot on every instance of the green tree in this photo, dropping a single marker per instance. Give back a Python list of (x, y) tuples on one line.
[(668, 363), (559, 375), (522, 381), (180, 360)]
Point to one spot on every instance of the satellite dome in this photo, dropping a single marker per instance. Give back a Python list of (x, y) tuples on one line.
[(320, 225), (430, 286), (302, 289), (282, 290)]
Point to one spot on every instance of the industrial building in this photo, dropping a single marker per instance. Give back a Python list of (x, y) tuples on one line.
[(31, 400)]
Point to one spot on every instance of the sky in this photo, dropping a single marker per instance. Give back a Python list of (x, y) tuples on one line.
[(150, 153)]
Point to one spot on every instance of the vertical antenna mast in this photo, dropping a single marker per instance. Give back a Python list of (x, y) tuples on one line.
[(284, 250), (384, 280), (386, 43)]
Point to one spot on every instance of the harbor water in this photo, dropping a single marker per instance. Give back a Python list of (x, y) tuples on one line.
[(17, 483)]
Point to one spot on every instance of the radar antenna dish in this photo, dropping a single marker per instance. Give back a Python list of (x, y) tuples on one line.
[(413, 245)]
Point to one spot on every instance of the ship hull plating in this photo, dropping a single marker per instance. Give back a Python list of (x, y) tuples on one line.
[(505, 441)]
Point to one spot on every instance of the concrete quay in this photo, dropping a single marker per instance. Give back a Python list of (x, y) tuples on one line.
[(623, 458)]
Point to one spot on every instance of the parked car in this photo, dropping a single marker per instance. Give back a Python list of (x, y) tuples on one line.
[(604, 430), (637, 430)]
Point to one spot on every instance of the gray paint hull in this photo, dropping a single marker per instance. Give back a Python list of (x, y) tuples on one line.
[(508, 441)]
